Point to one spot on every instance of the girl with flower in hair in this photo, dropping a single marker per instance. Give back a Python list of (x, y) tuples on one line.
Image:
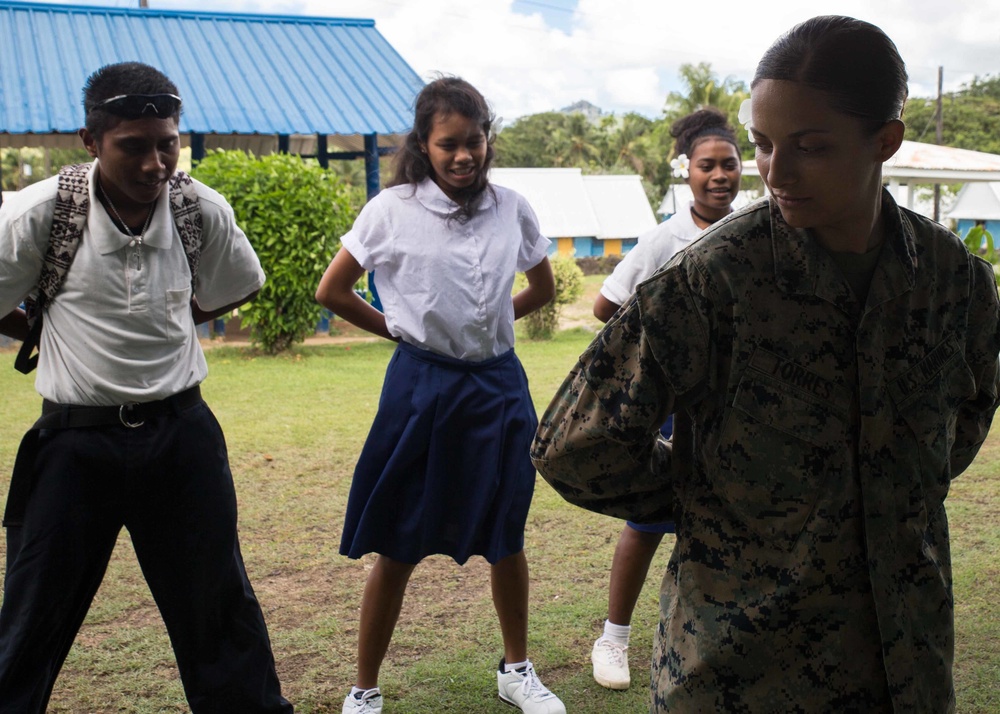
[(707, 158)]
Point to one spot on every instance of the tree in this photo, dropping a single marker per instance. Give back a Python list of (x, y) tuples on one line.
[(529, 142), (293, 213), (631, 143), (43, 163), (625, 142), (578, 141), (971, 117), (704, 89)]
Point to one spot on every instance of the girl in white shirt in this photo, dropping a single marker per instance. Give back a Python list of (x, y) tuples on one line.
[(708, 160), (445, 468)]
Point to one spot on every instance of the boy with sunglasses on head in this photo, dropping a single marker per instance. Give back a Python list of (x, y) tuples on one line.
[(125, 438)]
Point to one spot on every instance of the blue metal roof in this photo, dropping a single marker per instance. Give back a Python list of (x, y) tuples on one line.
[(237, 73)]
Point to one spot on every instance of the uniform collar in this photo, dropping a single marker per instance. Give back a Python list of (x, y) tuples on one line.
[(435, 200), (896, 272), (801, 266), (105, 234)]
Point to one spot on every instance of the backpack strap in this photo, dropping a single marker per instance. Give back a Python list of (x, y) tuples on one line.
[(186, 207), (68, 221)]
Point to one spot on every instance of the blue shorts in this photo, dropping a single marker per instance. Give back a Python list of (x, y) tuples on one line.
[(668, 526)]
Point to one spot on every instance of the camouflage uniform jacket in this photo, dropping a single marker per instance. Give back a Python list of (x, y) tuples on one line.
[(811, 571)]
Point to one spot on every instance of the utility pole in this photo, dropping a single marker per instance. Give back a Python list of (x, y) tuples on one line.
[(939, 132)]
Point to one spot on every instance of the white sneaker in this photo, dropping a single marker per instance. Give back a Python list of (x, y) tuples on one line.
[(610, 664), (370, 702), (525, 690)]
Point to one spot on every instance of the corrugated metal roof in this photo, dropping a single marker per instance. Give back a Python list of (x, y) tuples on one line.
[(557, 196), (237, 73), (916, 155)]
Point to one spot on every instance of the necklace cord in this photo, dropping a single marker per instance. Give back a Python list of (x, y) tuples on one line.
[(708, 221), (136, 242), (111, 205)]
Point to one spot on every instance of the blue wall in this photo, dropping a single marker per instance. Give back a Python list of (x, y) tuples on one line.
[(964, 224), (592, 247)]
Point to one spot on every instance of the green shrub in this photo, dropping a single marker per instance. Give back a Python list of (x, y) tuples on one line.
[(980, 241), (293, 212), (542, 323), (599, 265)]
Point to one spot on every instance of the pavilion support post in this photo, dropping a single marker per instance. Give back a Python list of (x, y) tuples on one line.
[(371, 165), (197, 147), (322, 155), (372, 182), (282, 143)]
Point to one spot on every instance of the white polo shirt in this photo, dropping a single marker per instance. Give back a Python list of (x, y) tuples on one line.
[(653, 249), (446, 285), (116, 333)]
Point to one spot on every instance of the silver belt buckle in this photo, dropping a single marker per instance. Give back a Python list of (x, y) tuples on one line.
[(124, 415)]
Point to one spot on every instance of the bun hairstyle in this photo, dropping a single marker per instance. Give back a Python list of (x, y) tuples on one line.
[(445, 95), (691, 130), (853, 61)]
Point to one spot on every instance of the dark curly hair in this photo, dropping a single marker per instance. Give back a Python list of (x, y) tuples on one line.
[(445, 95), (707, 123), (121, 78)]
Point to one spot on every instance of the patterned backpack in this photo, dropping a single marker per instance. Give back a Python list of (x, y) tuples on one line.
[(68, 221)]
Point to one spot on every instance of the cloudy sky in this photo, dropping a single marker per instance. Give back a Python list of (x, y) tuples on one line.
[(531, 56)]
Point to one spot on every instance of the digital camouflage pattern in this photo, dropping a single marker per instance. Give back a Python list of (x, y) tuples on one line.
[(817, 439)]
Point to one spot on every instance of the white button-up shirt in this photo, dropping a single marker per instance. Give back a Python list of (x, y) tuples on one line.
[(654, 248), (445, 285), (119, 333)]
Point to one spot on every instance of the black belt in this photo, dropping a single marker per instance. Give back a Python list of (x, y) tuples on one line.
[(135, 414), (73, 416)]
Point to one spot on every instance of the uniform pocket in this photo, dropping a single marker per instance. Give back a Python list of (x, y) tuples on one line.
[(777, 448), (178, 315), (927, 400)]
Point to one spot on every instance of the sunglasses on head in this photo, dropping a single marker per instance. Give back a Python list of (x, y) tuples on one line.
[(136, 106)]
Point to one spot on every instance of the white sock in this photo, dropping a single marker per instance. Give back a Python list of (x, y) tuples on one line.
[(360, 694), (617, 633), (512, 666)]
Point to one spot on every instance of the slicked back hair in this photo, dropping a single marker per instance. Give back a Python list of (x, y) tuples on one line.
[(852, 61)]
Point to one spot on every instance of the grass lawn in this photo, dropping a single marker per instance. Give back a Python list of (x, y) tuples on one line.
[(295, 425)]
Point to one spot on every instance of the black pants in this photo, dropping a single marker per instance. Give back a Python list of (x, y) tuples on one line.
[(168, 482)]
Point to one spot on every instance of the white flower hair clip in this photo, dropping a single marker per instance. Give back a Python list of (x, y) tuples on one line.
[(680, 166), (745, 117)]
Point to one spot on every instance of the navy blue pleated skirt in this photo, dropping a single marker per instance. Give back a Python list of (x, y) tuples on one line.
[(445, 468)]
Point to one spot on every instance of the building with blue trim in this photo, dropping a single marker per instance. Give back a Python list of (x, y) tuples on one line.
[(583, 215), (977, 204)]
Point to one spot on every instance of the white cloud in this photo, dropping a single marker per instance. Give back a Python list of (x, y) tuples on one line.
[(624, 54), (631, 87)]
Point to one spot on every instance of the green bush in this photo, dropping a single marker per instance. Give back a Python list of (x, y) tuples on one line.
[(293, 212), (542, 323), (980, 241), (598, 265)]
